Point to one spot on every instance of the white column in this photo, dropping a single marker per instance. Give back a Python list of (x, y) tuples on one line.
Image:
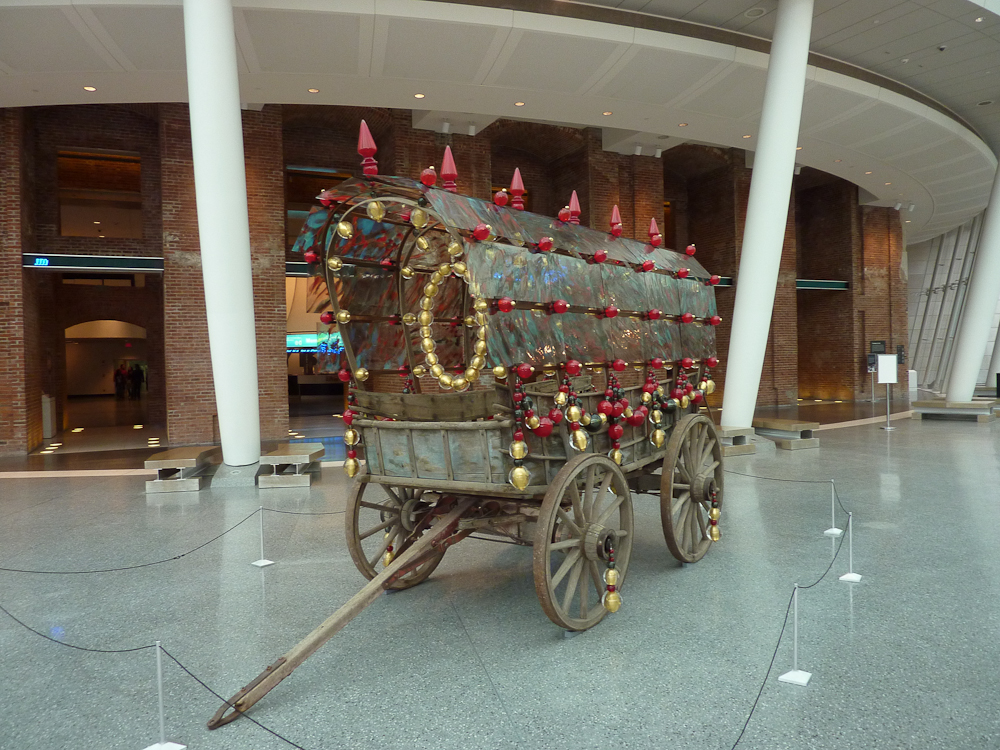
[(223, 223), (767, 210), (980, 306)]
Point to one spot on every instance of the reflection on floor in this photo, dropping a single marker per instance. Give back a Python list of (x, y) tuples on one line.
[(468, 661), (105, 411)]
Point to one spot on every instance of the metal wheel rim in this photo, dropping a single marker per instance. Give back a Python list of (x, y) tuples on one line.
[(369, 521), (693, 452), (569, 584)]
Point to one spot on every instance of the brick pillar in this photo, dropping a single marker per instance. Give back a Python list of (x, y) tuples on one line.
[(190, 392), (262, 142)]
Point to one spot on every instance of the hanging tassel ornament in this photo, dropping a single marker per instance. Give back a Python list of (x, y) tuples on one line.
[(351, 465), (615, 397), (713, 517), (611, 599), (519, 476), (575, 415), (389, 555)]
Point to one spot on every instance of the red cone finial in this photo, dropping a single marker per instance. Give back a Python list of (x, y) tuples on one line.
[(654, 234), (448, 171), (616, 222), (517, 190), (367, 148), (574, 209)]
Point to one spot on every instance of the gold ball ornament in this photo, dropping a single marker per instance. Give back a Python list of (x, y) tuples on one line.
[(532, 422), (714, 513), (422, 243), (611, 577), (656, 416), (334, 263), (574, 413), (430, 290), (459, 268), (714, 534), (646, 397), (419, 371), (703, 385), (425, 317), (585, 419), (351, 437), (427, 345), (437, 278), (352, 467), (343, 316), (425, 332), (482, 318), (444, 269), (480, 348), (561, 398), (460, 383), (500, 372), (409, 319), (685, 402), (375, 211), (578, 440), (709, 386), (427, 303), (628, 412), (658, 438), (431, 359), (361, 374), (388, 557), (478, 362), (445, 380), (481, 305), (418, 217), (612, 601), (481, 333), (406, 272), (455, 249), (472, 374), (518, 449), (659, 390), (616, 456), (345, 229), (519, 477), (470, 321), (437, 370)]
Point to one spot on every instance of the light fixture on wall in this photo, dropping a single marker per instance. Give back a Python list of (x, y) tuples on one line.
[(638, 151), (659, 153), (898, 206), (445, 127), (748, 136), (911, 207), (472, 129)]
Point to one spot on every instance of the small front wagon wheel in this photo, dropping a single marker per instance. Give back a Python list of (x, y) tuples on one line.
[(692, 477), (586, 511)]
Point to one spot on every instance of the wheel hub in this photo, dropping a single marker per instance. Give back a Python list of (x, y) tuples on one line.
[(704, 489), (598, 541)]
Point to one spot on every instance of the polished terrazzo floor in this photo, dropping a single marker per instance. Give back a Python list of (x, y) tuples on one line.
[(904, 659)]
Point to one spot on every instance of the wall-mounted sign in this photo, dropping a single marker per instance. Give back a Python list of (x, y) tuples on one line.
[(877, 347), (59, 262)]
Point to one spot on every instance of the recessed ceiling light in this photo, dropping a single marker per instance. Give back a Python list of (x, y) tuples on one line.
[(747, 136), (101, 236), (980, 19), (419, 96), (313, 91), (54, 445), (798, 148), (518, 104), (984, 103), (907, 221), (137, 427), (755, 13), (682, 124), (607, 113), (44, 452), (77, 429), (837, 161), (90, 88), (867, 172), (888, 183)]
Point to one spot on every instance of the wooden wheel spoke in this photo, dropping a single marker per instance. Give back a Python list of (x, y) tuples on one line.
[(712, 466), (584, 590), (701, 523), (567, 564), (595, 577), (574, 496), (386, 541), (376, 529), (679, 502), (693, 527), (566, 544), (574, 579), (390, 491), (588, 492), (606, 513), (707, 452), (564, 516), (394, 509)]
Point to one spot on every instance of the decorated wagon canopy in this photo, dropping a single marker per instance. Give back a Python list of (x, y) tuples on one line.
[(420, 275)]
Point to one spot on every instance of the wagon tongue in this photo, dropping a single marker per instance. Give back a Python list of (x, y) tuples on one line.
[(443, 532)]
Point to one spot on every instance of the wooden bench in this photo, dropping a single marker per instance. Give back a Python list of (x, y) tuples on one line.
[(979, 410), (788, 434), (736, 440), (290, 465), (179, 469)]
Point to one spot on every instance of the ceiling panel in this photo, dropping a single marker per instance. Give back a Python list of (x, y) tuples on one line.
[(552, 62), (670, 8), (163, 50), (824, 103), (41, 40), (445, 51), (870, 124), (296, 42), (741, 91), (920, 135), (854, 17), (656, 76), (879, 36)]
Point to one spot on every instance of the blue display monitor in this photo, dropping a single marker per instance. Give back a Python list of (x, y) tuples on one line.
[(314, 343)]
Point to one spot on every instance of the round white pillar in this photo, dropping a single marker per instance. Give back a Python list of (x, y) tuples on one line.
[(223, 223), (980, 306), (767, 210)]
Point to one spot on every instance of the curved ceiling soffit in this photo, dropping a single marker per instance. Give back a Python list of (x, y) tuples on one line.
[(481, 60)]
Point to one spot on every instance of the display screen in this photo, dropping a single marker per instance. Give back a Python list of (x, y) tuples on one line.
[(326, 342)]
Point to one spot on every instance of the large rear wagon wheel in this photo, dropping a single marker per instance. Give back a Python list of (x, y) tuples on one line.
[(692, 475), (587, 510), (380, 515)]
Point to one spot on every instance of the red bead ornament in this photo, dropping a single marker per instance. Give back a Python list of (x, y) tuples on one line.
[(344, 375), (545, 426), (656, 363), (518, 397), (563, 214), (688, 388), (348, 417), (481, 232), (500, 197), (615, 431), (518, 435), (648, 265), (655, 238), (617, 409), (687, 318), (619, 364), (545, 244), (605, 408), (714, 280), (555, 416), (712, 361), (715, 320), (326, 318), (649, 386), (600, 256), (636, 419), (654, 314), (682, 273), (573, 367), (429, 177), (698, 396), (616, 222), (687, 363), (352, 453), (524, 371), (367, 149), (310, 257), (611, 311), (690, 249), (385, 262), (560, 306), (505, 304), (677, 393)]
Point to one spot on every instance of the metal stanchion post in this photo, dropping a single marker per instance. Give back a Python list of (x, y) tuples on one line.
[(850, 576), (263, 562), (833, 530), (162, 744), (888, 405), (796, 676)]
